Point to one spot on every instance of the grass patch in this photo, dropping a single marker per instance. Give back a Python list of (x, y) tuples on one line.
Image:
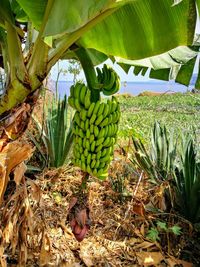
[(179, 112)]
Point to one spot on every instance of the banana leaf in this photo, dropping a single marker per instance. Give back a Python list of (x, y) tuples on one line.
[(128, 29)]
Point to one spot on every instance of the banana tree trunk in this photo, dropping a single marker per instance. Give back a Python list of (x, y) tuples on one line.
[(13, 123)]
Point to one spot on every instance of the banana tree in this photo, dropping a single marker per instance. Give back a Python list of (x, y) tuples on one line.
[(34, 35)]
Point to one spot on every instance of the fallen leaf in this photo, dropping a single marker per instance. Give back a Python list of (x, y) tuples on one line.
[(149, 258), (138, 208), (172, 262)]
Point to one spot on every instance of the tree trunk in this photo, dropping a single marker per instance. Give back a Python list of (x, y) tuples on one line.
[(13, 123)]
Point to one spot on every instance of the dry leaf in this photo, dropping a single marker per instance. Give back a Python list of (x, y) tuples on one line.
[(8, 232), (45, 250), (138, 208), (19, 172), (172, 262), (149, 258), (144, 244), (142, 230), (2, 257), (35, 191), (16, 153)]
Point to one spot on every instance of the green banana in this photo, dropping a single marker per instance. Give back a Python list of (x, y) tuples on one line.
[(105, 158), (95, 172), (96, 107), (90, 110), (87, 122), (80, 133), (96, 131), (103, 176), (104, 122), (82, 95), (93, 118), (88, 133), (71, 101), (82, 158), (88, 169), (107, 141), (92, 128), (114, 106), (77, 104), (99, 75), (91, 138), (99, 119), (109, 103), (98, 156), (83, 166), (98, 148), (100, 141), (87, 101), (104, 152), (86, 153), (102, 165), (77, 118), (93, 163), (93, 156), (77, 89), (106, 111), (106, 131), (101, 109), (87, 145), (92, 147), (82, 125), (83, 114), (101, 133), (110, 119), (97, 164), (89, 159), (109, 85), (80, 141), (84, 142)]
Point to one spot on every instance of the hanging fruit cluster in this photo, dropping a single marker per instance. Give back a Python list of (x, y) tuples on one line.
[(95, 129)]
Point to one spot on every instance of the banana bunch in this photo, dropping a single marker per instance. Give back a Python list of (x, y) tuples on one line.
[(109, 79), (95, 127), (79, 98)]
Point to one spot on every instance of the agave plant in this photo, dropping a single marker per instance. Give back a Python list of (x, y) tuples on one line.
[(187, 180), (56, 133), (158, 162)]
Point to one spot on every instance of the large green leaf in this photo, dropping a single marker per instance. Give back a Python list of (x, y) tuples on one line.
[(35, 10), (172, 58), (143, 28), (95, 56), (67, 16), (177, 63)]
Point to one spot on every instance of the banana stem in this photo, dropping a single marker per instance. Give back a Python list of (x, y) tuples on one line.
[(89, 72)]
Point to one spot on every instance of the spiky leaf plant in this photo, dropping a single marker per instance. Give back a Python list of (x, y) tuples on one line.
[(56, 132), (187, 180), (158, 162)]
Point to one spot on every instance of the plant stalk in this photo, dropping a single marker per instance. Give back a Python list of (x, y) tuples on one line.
[(89, 72)]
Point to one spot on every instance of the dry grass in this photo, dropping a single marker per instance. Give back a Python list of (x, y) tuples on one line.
[(117, 235)]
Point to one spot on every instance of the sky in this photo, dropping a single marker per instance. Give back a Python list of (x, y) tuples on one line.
[(130, 77)]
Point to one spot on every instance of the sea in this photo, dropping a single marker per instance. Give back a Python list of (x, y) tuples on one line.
[(133, 88)]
